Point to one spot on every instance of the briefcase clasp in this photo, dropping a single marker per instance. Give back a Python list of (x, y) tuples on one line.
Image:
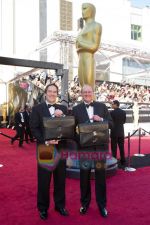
[(60, 131), (94, 133)]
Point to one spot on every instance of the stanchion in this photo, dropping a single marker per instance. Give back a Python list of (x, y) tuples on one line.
[(5, 135), (128, 168), (139, 154)]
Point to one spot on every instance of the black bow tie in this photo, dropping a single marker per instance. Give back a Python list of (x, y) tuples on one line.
[(49, 105), (87, 105)]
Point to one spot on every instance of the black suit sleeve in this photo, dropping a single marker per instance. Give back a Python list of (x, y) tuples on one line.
[(74, 114), (64, 109), (124, 117), (17, 119), (36, 126), (108, 117)]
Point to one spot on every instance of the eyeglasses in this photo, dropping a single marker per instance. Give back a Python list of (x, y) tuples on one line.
[(51, 92), (87, 92)]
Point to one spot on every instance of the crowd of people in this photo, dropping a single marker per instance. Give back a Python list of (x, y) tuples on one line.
[(108, 91), (105, 91)]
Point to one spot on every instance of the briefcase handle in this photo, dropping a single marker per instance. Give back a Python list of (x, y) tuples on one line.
[(53, 116)]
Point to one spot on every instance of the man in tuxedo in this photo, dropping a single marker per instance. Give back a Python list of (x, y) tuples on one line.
[(117, 132), (28, 133), (49, 108), (19, 126), (92, 111)]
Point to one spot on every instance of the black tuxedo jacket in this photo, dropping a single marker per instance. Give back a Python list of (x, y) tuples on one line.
[(27, 118), (119, 118), (18, 119), (100, 109), (36, 119)]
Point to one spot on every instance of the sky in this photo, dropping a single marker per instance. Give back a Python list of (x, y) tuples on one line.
[(140, 3)]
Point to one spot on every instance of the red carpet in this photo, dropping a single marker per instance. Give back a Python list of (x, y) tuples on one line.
[(128, 193)]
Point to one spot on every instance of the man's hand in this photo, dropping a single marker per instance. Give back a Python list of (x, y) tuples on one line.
[(58, 113), (97, 118)]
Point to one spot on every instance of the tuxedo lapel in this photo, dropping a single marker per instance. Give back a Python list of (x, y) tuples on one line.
[(96, 112), (98, 109), (46, 111), (84, 113)]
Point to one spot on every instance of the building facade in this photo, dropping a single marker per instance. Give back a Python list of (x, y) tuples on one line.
[(27, 28)]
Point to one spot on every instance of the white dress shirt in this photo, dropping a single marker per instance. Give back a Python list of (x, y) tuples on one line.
[(51, 110), (90, 112), (22, 118)]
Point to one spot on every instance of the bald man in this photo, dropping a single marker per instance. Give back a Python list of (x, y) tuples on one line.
[(92, 111)]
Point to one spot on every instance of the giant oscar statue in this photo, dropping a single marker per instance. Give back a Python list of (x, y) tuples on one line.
[(87, 43), (4, 112)]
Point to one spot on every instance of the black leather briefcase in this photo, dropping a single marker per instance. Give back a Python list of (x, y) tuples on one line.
[(59, 127), (93, 134)]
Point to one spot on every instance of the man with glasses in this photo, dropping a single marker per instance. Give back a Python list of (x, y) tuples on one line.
[(92, 111)]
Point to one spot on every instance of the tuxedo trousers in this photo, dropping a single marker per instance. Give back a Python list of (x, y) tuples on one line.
[(120, 142), (44, 179), (100, 184)]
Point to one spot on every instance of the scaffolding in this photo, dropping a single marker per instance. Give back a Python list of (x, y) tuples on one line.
[(106, 53)]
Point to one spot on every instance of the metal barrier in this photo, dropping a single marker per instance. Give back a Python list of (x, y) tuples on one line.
[(139, 146), (5, 135), (129, 168)]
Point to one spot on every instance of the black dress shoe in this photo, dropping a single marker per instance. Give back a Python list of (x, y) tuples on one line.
[(62, 211), (83, 210), (103, 212), (43, 215)]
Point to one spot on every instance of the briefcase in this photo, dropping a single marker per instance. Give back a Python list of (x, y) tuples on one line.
[(93, 134), (59, 127)]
